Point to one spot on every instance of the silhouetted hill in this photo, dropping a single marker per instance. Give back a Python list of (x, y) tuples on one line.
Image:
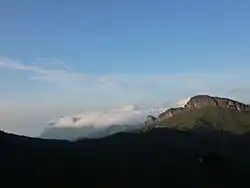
[(161, 157)]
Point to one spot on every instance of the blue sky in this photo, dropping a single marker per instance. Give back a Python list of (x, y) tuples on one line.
[(62, 57)]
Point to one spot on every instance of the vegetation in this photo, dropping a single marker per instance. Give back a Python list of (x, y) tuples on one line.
[(210, 117), (162, 157)]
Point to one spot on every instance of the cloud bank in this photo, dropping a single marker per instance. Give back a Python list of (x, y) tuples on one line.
[(127, 115)]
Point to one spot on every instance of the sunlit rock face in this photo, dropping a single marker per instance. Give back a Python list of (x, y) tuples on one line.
[(200, 101), (170, 112)]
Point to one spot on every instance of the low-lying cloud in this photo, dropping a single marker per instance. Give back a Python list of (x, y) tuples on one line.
[(127, 115)]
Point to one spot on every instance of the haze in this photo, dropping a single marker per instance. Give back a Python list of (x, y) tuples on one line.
[(64, 58)]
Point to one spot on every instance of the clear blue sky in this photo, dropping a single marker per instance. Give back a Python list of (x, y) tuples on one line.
[(95, 53)]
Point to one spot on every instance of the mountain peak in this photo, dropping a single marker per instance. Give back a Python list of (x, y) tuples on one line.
[(200, 101), (222, 113)]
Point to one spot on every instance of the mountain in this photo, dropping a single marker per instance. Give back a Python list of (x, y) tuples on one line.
[(74, 133), (203, 111), (164, 157), (201, 101), (176, 152)]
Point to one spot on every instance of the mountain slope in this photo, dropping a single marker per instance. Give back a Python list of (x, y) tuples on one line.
[(210, 117), (201, 101), (206, 112), (164, 156)]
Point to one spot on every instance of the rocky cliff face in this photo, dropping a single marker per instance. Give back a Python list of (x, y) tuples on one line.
[(201, 101), (170, 112), (151, 120)]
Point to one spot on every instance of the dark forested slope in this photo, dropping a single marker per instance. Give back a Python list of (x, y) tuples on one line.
[(161, 156)]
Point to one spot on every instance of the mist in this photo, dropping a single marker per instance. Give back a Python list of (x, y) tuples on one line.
[(126, 115)]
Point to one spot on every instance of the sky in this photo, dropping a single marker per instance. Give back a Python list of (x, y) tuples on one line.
[(65, 57)]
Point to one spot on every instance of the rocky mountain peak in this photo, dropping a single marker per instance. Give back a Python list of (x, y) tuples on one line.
[(200, 101), (170, 112)]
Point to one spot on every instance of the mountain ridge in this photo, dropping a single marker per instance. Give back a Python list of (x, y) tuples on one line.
[(200, 101), (186, 158), (201, 106)]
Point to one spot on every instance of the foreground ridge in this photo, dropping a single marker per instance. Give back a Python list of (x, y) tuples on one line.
[(173, 158)]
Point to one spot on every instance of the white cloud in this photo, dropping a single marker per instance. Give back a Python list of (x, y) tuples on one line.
[(123, 88), (56, 71), (51, 63), (127, 115), (182, 102), (44, 72)]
